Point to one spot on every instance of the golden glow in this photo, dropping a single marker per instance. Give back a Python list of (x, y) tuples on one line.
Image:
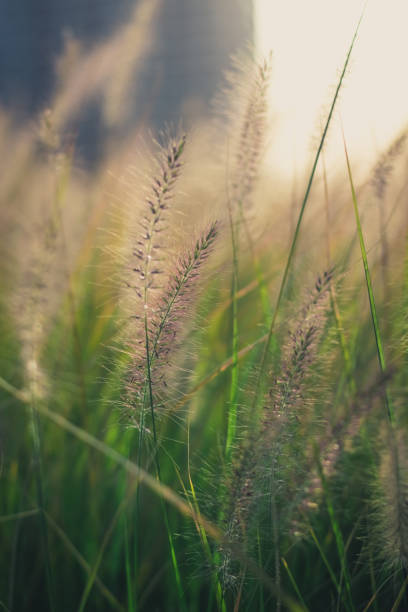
[(309, 40)]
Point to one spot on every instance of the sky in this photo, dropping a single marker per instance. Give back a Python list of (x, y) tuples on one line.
[(309, 40)]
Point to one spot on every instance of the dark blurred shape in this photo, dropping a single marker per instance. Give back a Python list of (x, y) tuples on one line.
[(192, 44), (31, 38), (195, 41)]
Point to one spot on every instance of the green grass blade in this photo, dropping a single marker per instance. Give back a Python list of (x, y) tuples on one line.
[(19, 515), (337, 534), (400, 595), (261, 594), (293, 582), (301, 214), (233, 392), (128, 566), (373, 599), (373, 309), (373, 581), (181, 596), (40, 500), (259, 275), (94, 571), (325, 560), (333, 298), (203, 536), (109, 596)]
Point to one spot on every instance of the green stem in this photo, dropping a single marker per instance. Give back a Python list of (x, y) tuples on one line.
[(233, 393), (294, 584), (262, 287), (300, 218), (338, 536), (373, 309), (40, 502)]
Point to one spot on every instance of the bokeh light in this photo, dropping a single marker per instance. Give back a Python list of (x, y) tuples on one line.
[(310, 41)]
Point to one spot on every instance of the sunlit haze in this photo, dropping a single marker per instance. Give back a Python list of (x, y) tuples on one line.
[(309, 41)]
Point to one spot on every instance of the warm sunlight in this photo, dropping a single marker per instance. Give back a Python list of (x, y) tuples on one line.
[(203, 307), (309, 41)]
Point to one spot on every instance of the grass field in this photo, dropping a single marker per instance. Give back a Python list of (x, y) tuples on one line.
[(202, 378)]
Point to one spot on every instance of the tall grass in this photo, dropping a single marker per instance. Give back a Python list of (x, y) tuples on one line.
[(195, 415)]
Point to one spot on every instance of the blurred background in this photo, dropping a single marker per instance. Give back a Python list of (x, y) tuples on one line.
[(157, 62), (106, 66), (309, 41)]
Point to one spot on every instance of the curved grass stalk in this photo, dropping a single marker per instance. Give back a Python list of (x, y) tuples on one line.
[(94, 570), (128, 567), (335, 307), (293, 583), (400, 595), (260, 277), (300, 218), (233, 392), (373, 309), (325, 559), (34, 408), (19, 515), (373, 599), (109, 596)]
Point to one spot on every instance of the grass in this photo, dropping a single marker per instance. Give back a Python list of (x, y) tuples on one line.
[(170, 441)]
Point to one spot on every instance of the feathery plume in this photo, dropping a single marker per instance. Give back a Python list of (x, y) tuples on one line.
[(261, 468), (252, 133), (391, 502), (158, 201), (161, 308), (384, 167), (167, 316), (147, 262), (299, 354)]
